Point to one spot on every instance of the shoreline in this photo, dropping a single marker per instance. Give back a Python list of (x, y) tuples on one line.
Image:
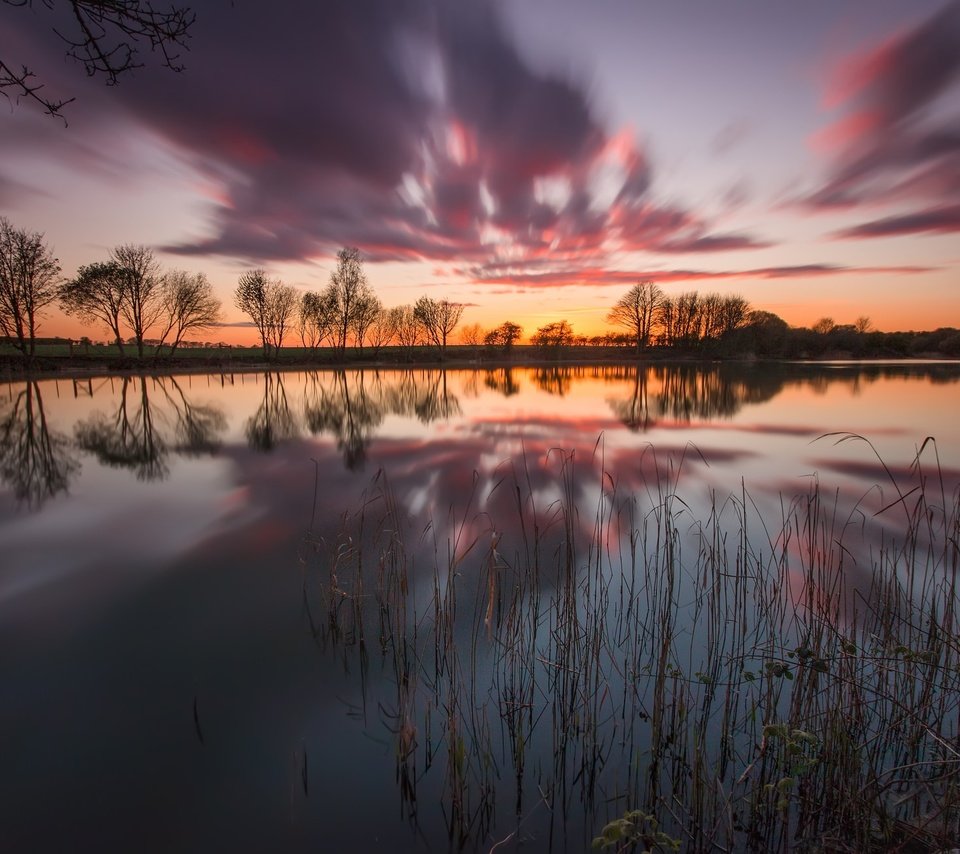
[(14, 368)]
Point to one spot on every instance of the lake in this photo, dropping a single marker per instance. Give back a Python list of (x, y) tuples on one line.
[(413, 610)]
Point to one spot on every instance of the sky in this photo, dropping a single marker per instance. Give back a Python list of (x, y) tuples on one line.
[(532, 159)]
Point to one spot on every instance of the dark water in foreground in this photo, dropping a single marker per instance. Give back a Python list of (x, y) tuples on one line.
[(172, 676)]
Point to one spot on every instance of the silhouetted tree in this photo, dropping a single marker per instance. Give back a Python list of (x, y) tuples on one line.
[(188, 304), (636, 312), (438, 318), (408, 328), (367, 308), (863, 324), (104, 37), (315, 319), (347, 293), (97, 294), (382, 330), (472, 334), (553, 336), (269, 303), (29, 281), (504, 336), (142, 303), (824, 326)]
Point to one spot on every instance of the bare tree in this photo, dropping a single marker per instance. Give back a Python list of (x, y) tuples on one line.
[(407, 326), (367, 307), (347, 291), (188, 304), (472, 334), (438, 318), (29, 281), (554, 335), (824, 326), (97, 294), (104, 38), (636, 311), (143, 304), (251, 298), (282, 304), (383, 329), (863, 324), (315, 319)]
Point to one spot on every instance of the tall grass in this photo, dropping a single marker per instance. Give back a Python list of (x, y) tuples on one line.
[(626, 668)]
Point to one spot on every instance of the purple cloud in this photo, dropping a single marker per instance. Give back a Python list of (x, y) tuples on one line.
[(945, 220)]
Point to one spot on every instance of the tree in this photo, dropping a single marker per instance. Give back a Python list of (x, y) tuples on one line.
[(438, 318), (29, 281), (824, 326), (347, 292), (96, 294), (104, 38), (407, 326), (553, 336), (472, 334), (281, 306), (188, 304), (142, 304), (251, 298), (636, 311), (366, 310), (383, 329), (863, 324), (315, 319), (504, 336)]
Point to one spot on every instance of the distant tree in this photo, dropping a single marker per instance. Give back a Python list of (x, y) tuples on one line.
[(863, 324), (383, 329), (733, 313), (824, 326), (553, 336), (142, 305), (438, 318), (97, 294), (366, 310), (104, 38), (347, 292), (504, 336), (281, 308), (408, 331), (251, 298), (315, 319), (636, 312), (29, 282), (472, 334), (189, 304)]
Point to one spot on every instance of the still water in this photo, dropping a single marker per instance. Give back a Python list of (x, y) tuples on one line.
[(171, 676)]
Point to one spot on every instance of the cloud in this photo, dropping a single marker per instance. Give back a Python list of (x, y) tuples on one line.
[(944, 220), (604, 277), (414, 130), (893, 141)]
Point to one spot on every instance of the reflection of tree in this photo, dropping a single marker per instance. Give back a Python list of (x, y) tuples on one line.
[(197, 426), (435, 402), (143, 432), (131, 439), (347, 411), (502, 380), (35, 461), (351, 405), (634, 411), (274, 422), (685, 392), (554, 380)]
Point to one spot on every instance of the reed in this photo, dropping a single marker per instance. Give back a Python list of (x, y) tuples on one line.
[(627, 669)]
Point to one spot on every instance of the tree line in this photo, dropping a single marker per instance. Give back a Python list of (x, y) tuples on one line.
[(130, 293)]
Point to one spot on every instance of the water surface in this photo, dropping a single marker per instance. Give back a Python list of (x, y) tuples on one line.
[(164, 540)]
